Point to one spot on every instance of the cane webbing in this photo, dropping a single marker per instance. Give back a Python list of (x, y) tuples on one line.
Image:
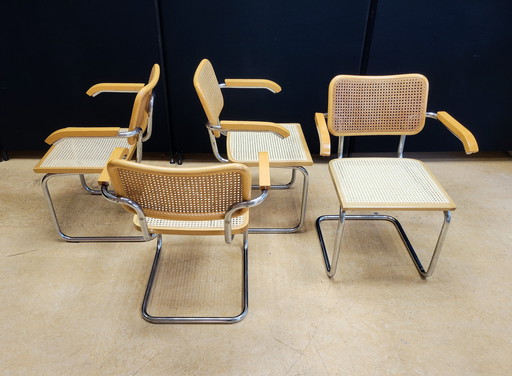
[(156, 225), (243, 147), (82, 152), (387, 183), (176, 194), (370, 105), (207, 87)]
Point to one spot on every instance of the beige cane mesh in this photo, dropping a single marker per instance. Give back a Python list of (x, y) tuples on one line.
[(213, 227), (81, 153), (182, 194), (207, 87), (372, 105), (387, 183), (243, 147)]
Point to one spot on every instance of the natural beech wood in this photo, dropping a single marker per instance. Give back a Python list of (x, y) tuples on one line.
[(117, 153), (461, 132), (82, 132), (253, 83), (235, 125), (264, 170), (323, 134), (111, 87)]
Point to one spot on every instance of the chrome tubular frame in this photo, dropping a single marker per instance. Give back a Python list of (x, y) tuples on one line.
[(55, 221), (302, 218), (201, 319), (240, 205), (343, 217)]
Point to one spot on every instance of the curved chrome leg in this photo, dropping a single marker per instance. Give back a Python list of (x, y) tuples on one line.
[(55, 221), (87, 188), (203, 319), (300, 224), (331, 269), (278, 187)]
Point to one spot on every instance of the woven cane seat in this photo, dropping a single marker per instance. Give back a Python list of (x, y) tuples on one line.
[(81, 154), (243, 147), (213, 227), (387, 183)]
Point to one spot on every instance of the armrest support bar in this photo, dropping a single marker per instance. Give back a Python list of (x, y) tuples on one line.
[(459, 131), (254, 126), (241, 83), (323, 134), (264, 170), (117, 153), (114, 88), (82, 132)]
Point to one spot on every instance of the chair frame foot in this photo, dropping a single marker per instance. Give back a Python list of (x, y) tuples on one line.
[(80, 239), (200, 319), (302, 218), (343, 217)]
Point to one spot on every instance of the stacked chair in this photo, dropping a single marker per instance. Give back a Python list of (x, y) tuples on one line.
[(383, 105), (86, 150)]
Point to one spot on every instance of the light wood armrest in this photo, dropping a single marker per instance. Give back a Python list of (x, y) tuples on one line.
[(254, 126), (323, 134), (82, 132), (461, 132), (252, 84), (114, 88), (117, 153), (264, 170)]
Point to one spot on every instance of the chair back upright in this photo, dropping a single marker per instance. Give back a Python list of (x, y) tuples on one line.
[(377, 105), (142, 104), (186, 194), (208, 90)]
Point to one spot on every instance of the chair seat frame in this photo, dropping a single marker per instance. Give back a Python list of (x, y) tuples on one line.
[(343, 217)]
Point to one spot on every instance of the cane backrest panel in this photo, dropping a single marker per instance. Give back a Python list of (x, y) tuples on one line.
[(208, 90)]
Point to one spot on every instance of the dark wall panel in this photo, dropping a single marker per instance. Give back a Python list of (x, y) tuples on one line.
[(300, 45), (463, 48), (53, 51)]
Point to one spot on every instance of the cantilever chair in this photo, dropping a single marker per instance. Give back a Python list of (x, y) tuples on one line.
[(285, 143), (383, 105), (86, 150), (212, 200)]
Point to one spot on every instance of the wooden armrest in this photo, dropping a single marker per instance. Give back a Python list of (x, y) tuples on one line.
[(117, 153), (252, 84), (82, 132), (254, 126), (461, 132), (323, 134), (114, 88), (264, 170)]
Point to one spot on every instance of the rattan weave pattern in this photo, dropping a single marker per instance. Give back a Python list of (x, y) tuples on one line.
[(171, 196), (244, 146), (236, 222), (377, 105), (83, 151), (385, 182), (209, 92)]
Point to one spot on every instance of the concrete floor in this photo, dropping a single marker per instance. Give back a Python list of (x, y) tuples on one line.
[(74, 309)]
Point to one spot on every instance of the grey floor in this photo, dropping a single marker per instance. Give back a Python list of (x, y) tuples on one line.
[(74, 309)]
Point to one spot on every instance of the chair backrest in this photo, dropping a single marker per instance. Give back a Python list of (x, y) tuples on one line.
[(203, 193), (208, 90), (377, 105), (141, 106)]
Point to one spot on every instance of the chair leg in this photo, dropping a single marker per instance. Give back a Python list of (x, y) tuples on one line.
[(200, 319), (331, 269), (300, 224), (53, 215), (88, 189)]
